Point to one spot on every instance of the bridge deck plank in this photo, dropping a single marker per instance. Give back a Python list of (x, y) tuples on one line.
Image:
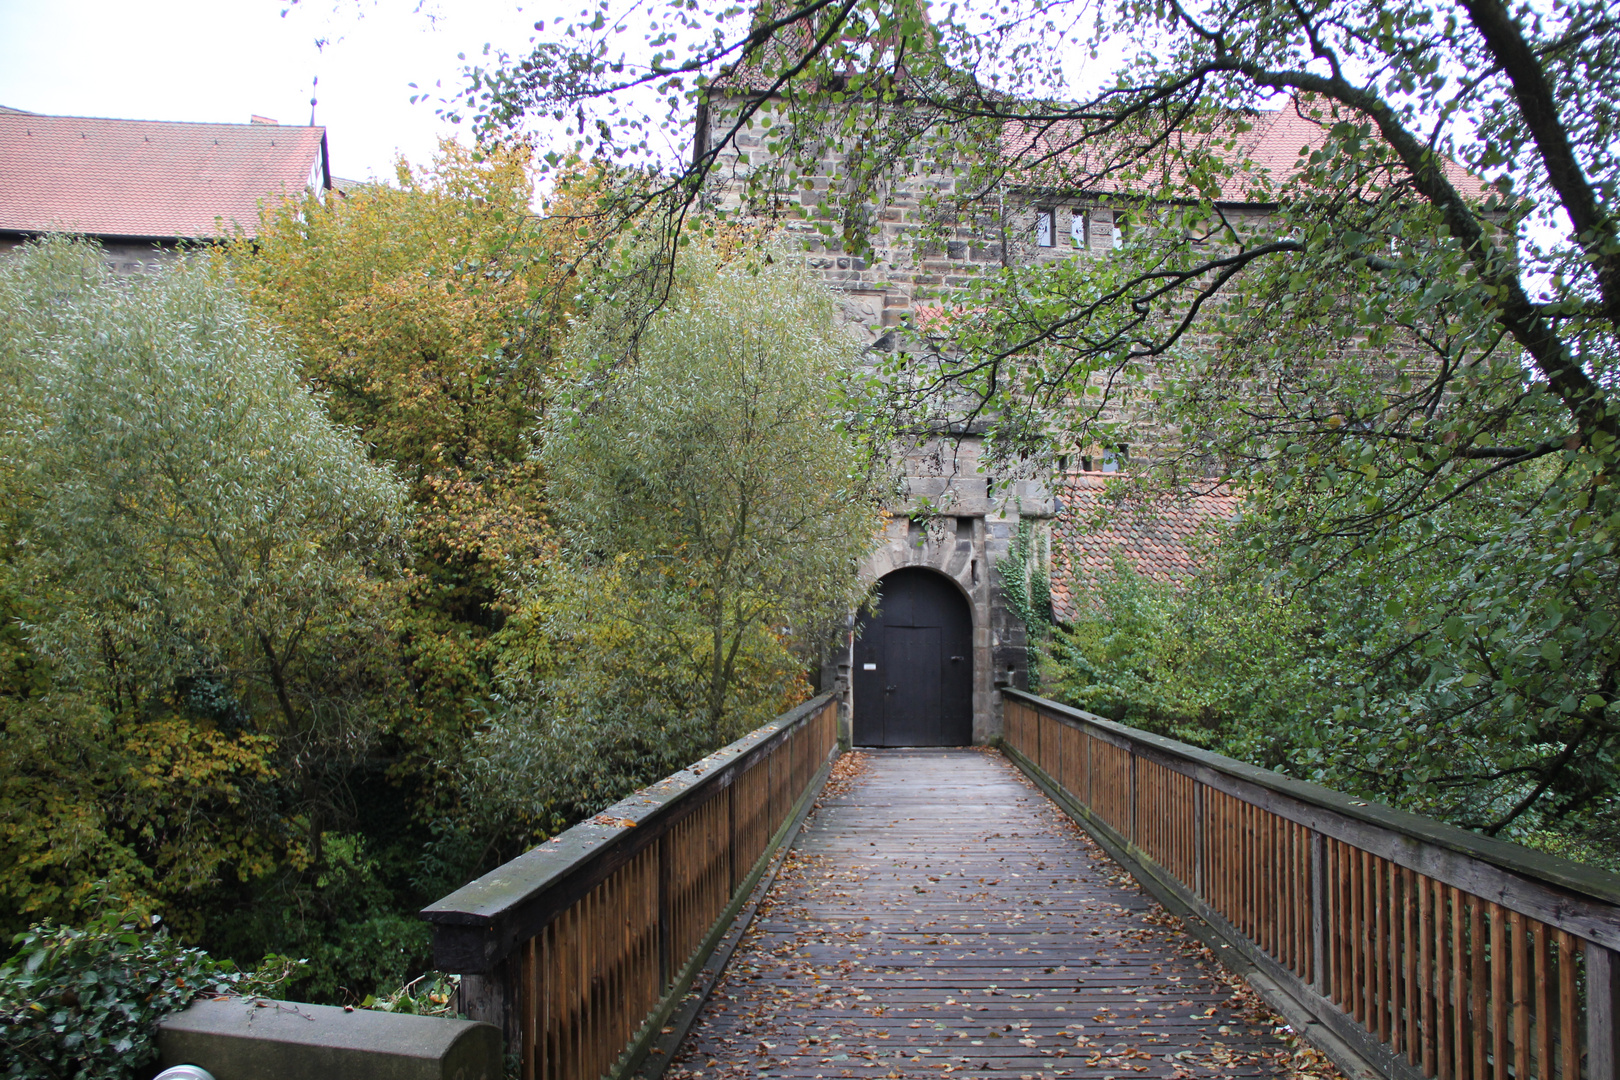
[(939, 916)]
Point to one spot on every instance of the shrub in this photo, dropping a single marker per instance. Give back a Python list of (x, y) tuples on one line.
[(86, 1003)]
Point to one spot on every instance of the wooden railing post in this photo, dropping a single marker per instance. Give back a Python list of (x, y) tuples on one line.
[(1602, 1013), (666, 969), (1130, 795), (1198, 839), (487, 997), (1319, 919)]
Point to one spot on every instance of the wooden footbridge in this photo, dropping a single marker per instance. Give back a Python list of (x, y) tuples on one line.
[(1087, 901)]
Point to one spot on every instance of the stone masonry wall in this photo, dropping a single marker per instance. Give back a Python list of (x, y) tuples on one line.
[(881, 291), (946, 516), (965, 530), (120, 256)]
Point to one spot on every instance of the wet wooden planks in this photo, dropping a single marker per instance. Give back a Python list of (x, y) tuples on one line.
[(940, 917)]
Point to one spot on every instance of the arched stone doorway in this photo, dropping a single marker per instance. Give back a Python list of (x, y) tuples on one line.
[(913, 669)]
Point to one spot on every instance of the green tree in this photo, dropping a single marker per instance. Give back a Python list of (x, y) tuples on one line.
[(708, 451), (425, 313), (712, 511), (602, 689), (1409, 364), (197, 591), (1318, 678)]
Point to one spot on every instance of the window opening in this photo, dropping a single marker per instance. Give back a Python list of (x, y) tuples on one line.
[(1045, 227), (1122, 228), (1080, 229)]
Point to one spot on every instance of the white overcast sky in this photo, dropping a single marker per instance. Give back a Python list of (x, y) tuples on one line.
[(224, 60)]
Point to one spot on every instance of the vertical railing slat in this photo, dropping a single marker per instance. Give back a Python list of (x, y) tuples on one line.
[(1461, 1043), (1319, 914), (1479, 1025), (1437, 980), (1381, 948), (1568, 1007), (1518, 963), (1543, 1013), (1602, 1013), (1501, 1003)]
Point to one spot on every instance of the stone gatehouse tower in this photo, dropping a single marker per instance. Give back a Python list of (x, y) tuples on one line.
[(967, 533), (952, 521)]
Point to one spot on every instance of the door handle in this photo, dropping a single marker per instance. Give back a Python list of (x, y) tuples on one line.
[(888, 689), (957, 659)]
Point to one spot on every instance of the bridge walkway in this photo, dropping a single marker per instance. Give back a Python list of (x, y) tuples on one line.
[(939, 916)]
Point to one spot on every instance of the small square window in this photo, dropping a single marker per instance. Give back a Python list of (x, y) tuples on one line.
[(1045, 228)]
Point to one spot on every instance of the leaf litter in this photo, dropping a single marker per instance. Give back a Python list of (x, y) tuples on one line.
[(938, 916)]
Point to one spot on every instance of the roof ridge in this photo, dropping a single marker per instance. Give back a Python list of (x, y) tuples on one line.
[(5, 111)]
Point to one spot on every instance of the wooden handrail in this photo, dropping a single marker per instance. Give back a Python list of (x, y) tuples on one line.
[(1432, 951), (578, 947)]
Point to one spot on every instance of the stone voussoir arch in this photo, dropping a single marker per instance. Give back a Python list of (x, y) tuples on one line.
[(960, 553)]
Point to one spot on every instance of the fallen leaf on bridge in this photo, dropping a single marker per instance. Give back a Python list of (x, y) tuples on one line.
[(621, 822), (870, 957)]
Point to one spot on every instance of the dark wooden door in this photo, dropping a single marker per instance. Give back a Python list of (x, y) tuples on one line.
[(914, 664)]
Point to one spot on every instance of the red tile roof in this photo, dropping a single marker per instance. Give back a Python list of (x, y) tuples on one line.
[(147, 178), (1272, 147), (1057, 155), (1157, 539)]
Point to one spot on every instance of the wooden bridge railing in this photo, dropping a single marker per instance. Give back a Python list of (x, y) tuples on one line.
[(1430, 950), (580, 948)]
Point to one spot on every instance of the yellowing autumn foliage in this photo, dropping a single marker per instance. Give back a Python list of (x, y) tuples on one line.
[(415, 306), (288, 645), (196, 569), (424, 312)]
